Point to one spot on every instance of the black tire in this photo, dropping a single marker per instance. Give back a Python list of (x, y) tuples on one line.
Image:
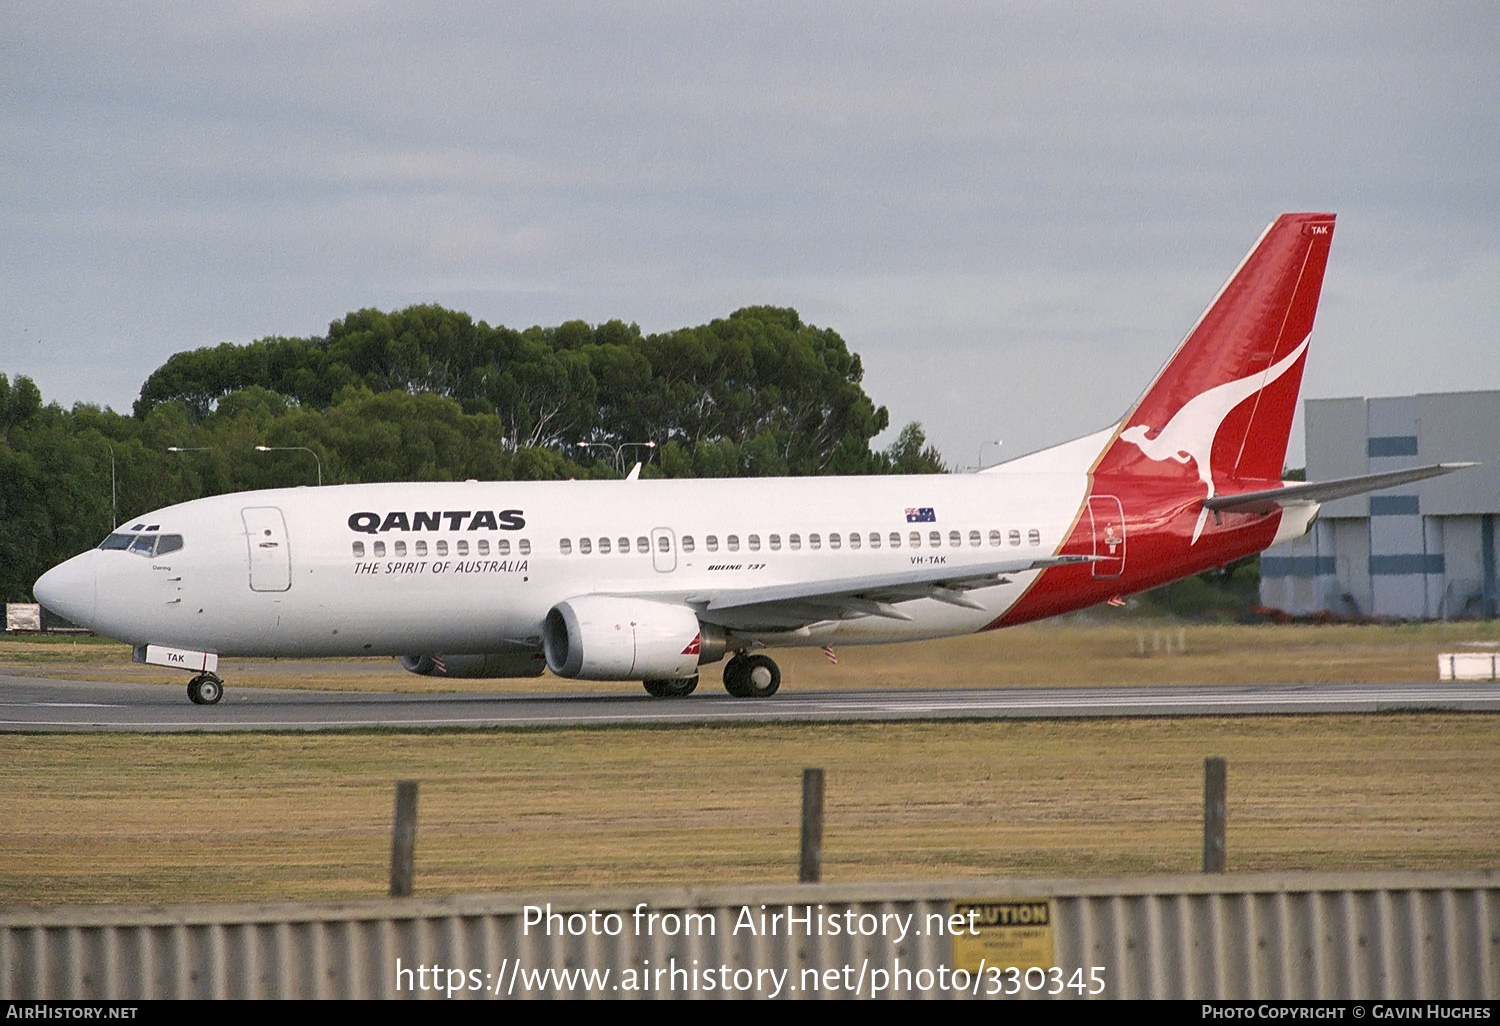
[(752, 676), (679, 688), (193, 695)]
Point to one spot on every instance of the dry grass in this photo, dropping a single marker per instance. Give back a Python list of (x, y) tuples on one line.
[(129, 818), (1056, 653)]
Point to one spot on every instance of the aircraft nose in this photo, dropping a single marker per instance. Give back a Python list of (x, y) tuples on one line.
[(70, 589)]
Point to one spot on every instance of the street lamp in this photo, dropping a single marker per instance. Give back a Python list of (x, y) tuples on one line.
[(295, 448), (114, 500), (615, 450), (981, 451), (636, 445)]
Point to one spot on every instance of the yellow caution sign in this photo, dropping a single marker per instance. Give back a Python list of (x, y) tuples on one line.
[(1016, 933)]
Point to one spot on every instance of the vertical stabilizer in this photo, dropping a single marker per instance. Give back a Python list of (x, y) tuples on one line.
[(1222, 407)]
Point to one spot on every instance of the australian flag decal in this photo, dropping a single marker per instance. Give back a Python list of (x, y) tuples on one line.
[(921, 515)]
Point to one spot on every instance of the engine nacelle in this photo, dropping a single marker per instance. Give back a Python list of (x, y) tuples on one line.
[(600, 637), (481, 665)]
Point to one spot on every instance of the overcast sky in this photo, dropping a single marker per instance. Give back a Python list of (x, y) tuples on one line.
[(1013, 212)]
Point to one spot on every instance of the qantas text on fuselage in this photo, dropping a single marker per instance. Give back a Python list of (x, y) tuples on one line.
[(645, 580)]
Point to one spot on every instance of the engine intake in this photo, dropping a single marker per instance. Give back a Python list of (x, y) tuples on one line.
[(600, 637)]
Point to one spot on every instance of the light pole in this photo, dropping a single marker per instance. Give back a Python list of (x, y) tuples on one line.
[(615, 450), (114, 500), (629, 445), (981, 451), (295, 448)]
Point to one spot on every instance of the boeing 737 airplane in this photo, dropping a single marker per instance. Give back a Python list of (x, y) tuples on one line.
[(638, 580)]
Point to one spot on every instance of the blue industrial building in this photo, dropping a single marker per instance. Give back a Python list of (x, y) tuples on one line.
[(1423, 551)]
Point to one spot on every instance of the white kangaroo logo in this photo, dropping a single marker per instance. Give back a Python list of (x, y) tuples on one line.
[(1190, 434)]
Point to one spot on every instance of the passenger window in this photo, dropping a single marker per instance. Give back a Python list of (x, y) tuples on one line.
[(359, 550), (853, 540), (1015, 537), (642, 544), (400, 548), (564, 545), (462, 547), (687, 543), (994, 537), (117, 541), (834, 541), (711, 543), (585, 546), (379, 549), (525, 546), (503, 546), (753, 543), (421, 548), (732, 543), (874, 539), (794, 542), (664, 543), (1034, 536), (603, 546), (935, 539), (775, 543), (442, 548), (974, 538), (916, 539), (954, 538), (624, 544), (895, 539), (168, 543), (482, 545), (143, 545), (814, 541)]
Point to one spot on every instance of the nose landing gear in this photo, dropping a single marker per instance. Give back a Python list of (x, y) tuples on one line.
[(752, 676), (206, 689)]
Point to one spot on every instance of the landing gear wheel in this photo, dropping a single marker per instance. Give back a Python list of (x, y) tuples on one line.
[(205, 689), (679, 688), (752, 676)]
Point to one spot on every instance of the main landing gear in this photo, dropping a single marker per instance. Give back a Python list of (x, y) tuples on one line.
[(206, 689), (751, 676)]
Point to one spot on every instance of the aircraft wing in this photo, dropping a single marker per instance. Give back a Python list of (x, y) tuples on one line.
[(1324, 491), (782, 606)]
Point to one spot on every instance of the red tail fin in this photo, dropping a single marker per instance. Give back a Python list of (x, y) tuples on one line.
[(1224, 402)]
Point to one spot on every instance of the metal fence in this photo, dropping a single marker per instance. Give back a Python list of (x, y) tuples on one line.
[(1291, 935)]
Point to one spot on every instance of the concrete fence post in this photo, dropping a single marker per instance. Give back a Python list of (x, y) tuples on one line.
[(404, 839), (811, 870), (1214, 788)]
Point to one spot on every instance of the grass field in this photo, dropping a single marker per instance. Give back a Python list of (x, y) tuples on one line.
[(172, 818), (137, 819)]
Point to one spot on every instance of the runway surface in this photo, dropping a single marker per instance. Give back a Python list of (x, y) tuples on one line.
[(37, 704)]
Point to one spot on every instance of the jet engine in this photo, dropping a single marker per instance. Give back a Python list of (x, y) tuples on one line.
[(601, 637), (484, 664)]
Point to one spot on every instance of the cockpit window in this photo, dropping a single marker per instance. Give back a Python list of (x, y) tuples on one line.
[(144, 544)]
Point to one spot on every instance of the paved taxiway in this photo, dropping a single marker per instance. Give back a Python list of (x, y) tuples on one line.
[(37, 704)]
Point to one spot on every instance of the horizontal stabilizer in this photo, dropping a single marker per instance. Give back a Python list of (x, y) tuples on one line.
[(1295, 494)]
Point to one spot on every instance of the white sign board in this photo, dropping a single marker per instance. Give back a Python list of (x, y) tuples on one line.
[(23, 616), (1468, 666)]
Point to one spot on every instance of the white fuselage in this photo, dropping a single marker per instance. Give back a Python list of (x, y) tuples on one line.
[(244, 584)]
